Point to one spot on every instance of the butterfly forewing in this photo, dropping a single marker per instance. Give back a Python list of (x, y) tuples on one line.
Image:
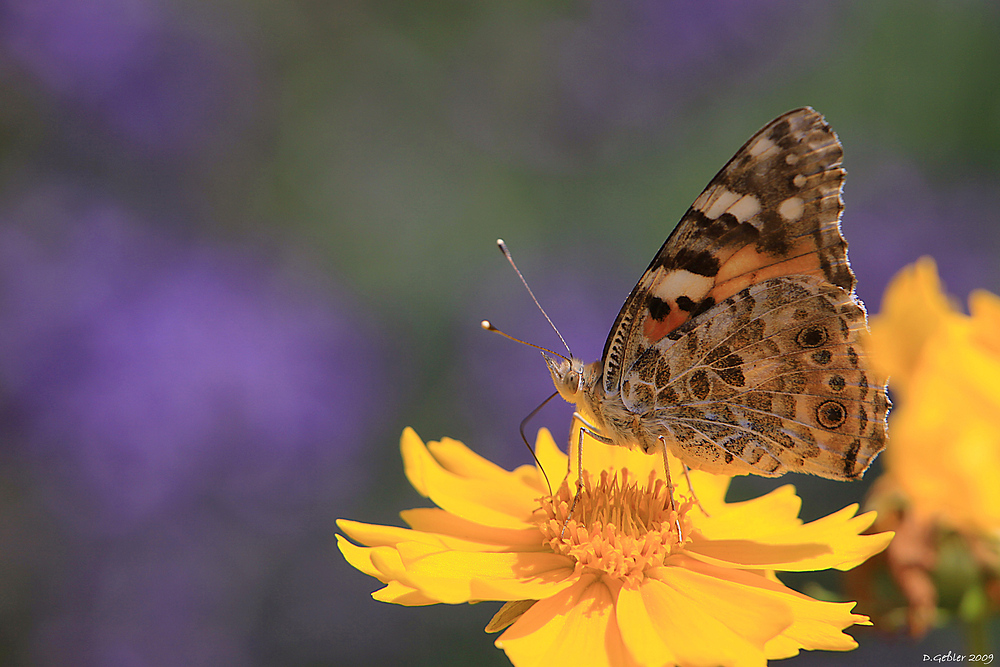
[(773, 210), (740, 346)]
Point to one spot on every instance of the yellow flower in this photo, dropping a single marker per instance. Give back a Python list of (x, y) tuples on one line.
[(945, 371), (611, 585), (913, 308)]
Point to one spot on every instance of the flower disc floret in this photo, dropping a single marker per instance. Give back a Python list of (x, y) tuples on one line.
[(616, 527)]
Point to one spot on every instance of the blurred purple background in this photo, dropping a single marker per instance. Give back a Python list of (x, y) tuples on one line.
[(186, 416), (242, 245)]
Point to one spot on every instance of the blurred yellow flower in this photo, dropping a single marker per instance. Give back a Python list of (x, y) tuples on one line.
[(939, 492), (612, 585), (944, 369), (913, 308)]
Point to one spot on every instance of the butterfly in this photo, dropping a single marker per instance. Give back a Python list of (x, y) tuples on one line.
[(739, 351)]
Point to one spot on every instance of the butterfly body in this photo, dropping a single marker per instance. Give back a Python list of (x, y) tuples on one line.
[(739, 349)]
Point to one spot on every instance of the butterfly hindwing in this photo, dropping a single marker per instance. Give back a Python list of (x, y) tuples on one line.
[(773, 210), (771, 379)]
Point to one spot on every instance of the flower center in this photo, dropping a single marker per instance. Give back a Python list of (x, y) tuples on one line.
[(617, 526)]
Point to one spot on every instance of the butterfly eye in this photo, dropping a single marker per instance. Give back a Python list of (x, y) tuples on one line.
[(573, 380)]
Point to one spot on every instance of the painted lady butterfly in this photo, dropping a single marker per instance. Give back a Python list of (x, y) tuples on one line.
[(738, 350)]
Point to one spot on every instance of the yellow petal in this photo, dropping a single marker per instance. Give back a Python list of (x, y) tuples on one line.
[(949, 418), (390, 565), (509, 612), (455, 577), (373, 562), (359, 557), (985, 309), (640, 631), (397, 593), (833, 541), (913, 307), (704, 620), (456, 458), (433, 520), (598, 456), (503, 503), (743, 520), (411, 442), (816, 625), (531, 476), (494, 539), (710, 489), (751, 555), (553, 460), (573, 628), (375, 535)]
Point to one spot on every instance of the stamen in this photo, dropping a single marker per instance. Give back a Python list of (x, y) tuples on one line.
[(617, 526)]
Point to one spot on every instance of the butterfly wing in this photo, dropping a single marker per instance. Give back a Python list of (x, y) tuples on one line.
[(773, 210), (771, 379), (740, 345)]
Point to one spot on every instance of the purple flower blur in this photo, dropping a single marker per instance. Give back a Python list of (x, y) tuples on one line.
[(628, 64), (73, 45), (191, 417), (124, 62), (896, 214), (612, 72), (153, 372)]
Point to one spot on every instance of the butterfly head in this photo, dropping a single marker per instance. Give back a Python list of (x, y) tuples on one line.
[(567, 375)]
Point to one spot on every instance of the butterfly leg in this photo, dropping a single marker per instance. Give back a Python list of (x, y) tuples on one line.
[(670, 489), (694, 495), (590, 430)]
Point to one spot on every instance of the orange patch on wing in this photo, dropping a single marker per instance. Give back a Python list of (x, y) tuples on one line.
[(654, 329), (748, 267), (807, 264), (730, 287)]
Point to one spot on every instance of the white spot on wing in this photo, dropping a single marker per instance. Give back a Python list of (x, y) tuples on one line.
[(761, 146), (721, 201), (791, 209), (747, 207), (799, 180), (681, 283)]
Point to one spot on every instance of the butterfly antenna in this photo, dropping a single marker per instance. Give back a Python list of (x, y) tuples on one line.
[(486, 324), (506, 253), (528, 445), (489, 327)]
